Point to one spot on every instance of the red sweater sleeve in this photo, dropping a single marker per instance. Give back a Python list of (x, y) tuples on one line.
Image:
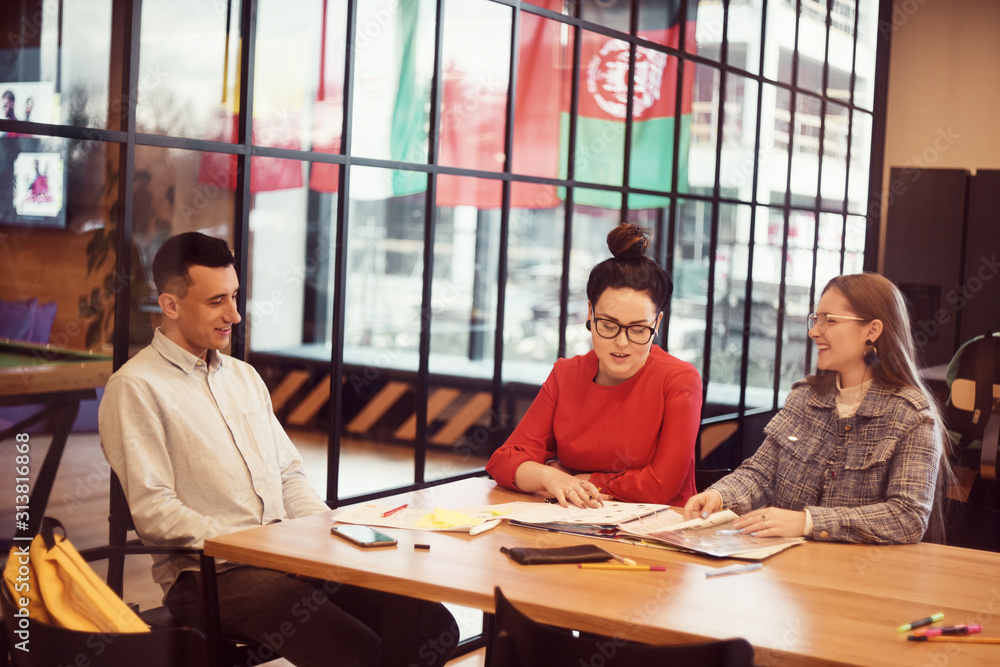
[(532, 440), (668, 477)]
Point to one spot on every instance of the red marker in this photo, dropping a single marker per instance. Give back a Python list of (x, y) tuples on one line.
[(394, 510), (949, 630)]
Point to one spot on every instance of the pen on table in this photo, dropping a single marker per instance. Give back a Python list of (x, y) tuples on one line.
[(395, 509), (957, 640), (611, 566), (933, 618), (734, 569), (949, 630)]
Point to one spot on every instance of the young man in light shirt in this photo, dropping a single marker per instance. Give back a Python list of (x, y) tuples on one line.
[(192, 436)]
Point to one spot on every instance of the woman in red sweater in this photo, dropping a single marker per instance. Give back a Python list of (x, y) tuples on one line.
[(619, 422)]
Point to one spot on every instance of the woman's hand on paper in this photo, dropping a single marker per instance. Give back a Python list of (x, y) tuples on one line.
[(576, 490), (702, 505), (772, 522)]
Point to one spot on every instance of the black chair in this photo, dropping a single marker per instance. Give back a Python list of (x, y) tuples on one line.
[(973, 407), (706, 478), (522, 642), (222, 650), (50, 645)]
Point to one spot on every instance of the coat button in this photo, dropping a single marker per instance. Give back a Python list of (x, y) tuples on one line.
[(824, 534), (847, 428)]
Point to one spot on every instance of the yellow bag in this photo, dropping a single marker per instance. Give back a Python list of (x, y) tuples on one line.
[(50, 582)]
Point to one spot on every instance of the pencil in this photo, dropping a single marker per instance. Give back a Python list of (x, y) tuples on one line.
[(610, 566), (957, 639), (623, 561)]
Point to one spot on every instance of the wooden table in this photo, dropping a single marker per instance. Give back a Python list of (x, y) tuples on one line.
[(58, 380), (814, 604)]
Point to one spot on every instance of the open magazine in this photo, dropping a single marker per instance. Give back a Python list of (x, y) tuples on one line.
[(714, 536)]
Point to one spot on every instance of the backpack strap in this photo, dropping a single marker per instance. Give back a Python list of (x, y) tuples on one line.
[(47, 531)]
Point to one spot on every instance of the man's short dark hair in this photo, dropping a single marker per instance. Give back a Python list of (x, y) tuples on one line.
[(179, 253)]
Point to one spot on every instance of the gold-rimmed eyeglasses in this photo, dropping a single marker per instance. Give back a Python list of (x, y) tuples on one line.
[(822, 319)]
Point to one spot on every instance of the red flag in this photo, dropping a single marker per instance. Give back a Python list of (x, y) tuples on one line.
[(473, 122), (266, 173)]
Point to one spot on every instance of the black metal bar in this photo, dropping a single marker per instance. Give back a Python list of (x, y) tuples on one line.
[(427, 285), (713, 243), (131, 19), (568, 200), (340, 265), (243, 198), (873, 234)]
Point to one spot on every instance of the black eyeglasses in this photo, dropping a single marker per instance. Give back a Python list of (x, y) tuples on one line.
[(637, 333), (822, 319)]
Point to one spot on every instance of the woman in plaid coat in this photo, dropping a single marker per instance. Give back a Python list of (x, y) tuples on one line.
[(857, 452)]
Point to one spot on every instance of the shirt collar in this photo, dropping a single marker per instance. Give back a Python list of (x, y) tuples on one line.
[(180, 357)]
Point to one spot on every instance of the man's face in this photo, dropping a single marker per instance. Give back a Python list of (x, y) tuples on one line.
[(8, 107), (205, 316)]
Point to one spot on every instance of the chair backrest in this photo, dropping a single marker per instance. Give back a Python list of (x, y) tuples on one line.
[(704, 478), (51, 645), (522, 642), (973, 408)]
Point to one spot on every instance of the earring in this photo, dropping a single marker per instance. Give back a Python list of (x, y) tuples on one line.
[(870, 355)]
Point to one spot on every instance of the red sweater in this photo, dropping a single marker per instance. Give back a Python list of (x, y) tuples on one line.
[(637, 437)]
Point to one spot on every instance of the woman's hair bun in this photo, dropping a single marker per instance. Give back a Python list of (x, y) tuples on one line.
[(628, 240)]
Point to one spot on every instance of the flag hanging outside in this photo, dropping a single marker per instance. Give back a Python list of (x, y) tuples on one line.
[(603, 96), (266, 173), (473, 119)]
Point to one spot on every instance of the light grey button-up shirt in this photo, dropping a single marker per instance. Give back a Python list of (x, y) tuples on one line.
[(198, 450)]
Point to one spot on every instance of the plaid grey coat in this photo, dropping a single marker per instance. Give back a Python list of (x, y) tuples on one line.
[(868, 478)]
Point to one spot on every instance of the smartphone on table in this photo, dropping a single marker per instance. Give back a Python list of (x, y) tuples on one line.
[(363, 536)]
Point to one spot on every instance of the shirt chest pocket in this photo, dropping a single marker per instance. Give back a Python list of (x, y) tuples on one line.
[(260, 436)]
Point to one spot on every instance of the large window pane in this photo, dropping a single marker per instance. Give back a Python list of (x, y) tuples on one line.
[(600, 140), (864, 71), (779, 44), (464, 288), (811, 45), (544, 83), (738, 137), (834, 185), (382, 317), (393, 68), (590, 246), (532, 293), (729, 304), (706, 108), (188, 69), (775, 128), (57, 63), (689, 305), (474, 102), (59, 245), (805, 154), (744, 29), (861, 142), (299, 73)]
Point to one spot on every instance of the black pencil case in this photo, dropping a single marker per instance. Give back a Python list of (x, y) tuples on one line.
[(583, 553)]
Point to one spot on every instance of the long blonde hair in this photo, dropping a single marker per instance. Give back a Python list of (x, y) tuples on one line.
[(874, 297)]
